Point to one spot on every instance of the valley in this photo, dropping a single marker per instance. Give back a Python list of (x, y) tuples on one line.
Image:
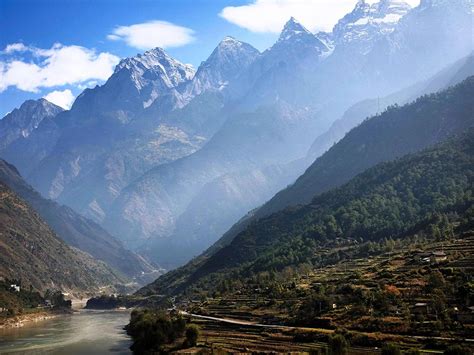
[(261, 176)]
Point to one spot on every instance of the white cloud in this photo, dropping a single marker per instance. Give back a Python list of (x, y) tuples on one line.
[(60, 65), (63, 98), (271, 15), (153, 34), (88, 85), (15, 47)]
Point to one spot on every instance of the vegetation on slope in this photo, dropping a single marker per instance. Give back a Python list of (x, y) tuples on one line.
[(76, 230), (397, 131), (16, 300), (391, 200), (32, 253), (156, 331)]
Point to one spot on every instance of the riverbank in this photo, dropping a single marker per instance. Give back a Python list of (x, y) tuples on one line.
[(21, 320)]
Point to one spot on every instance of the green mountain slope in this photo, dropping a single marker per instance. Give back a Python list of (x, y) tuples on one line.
[(390, 200), (76, 230), (31, 252), (398, 131)]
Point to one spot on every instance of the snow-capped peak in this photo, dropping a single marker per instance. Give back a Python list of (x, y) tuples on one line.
[(293, 28), (155, 58), (369, 19), (229, 41), (158, 64), (226, 62), (23, 120)]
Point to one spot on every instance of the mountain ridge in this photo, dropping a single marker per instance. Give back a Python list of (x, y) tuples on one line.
[(33, 253), (77, 231)]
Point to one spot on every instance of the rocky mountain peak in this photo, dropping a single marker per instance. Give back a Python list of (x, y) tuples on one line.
[(369, 20), (293, 29), (137, 82), (158, 62), (23, 120), (296, 39), (229, 41), (230, 58)]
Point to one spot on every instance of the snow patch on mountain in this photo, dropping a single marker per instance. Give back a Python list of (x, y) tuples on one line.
[(367, 21), (154, 72), (228, 60)]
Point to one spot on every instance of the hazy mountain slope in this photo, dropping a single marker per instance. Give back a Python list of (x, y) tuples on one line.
[(33, 253), (396, 132), (452, 75), (388, 200), (25, 119), (373, 51), (279, 73), (38, 119), (426, 121), (150, 205), (145, 115), (27, 152), (76, 230), (225, 199), (99, 146)]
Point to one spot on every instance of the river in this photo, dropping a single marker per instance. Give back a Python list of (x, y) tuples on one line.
[(84, 332)]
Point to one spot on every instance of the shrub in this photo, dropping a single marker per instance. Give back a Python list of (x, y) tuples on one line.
[(192, 335), (391, 349), (150, 330), (338, 345)]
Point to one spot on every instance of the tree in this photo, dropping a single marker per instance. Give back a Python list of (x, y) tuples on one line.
[(435, 281), (192, 335), (391, 349), (151, 330), (338, 345)]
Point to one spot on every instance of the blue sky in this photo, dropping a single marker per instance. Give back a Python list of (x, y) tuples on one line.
[(63, 46)]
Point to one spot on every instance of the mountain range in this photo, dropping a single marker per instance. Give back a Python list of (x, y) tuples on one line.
[(166, 158)]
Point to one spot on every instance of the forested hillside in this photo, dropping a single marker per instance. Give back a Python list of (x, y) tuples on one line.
[(390, 201), (398, 131)]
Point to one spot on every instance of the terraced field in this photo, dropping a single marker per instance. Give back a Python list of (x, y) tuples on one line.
[(404, 270)]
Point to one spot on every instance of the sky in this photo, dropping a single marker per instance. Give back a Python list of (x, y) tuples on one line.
[(57, 48)]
